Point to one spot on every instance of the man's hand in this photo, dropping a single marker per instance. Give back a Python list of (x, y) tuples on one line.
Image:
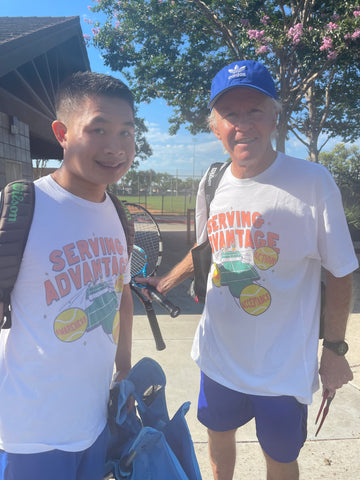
[(178, 274), (334, 371), (157, 282)]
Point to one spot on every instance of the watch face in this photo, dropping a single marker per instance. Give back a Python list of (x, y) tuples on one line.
[(342, 348)]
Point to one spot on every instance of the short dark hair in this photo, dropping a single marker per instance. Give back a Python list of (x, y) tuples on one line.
[(82, 85)]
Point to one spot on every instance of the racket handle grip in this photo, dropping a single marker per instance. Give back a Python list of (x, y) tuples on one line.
[(154, 325), (173, 310)]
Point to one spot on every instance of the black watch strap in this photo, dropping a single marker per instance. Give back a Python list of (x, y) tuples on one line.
[(340, 348)]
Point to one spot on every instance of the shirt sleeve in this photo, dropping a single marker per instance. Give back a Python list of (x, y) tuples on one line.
[(335, 243)]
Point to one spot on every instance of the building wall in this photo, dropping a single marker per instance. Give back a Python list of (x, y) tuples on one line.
[(15, 157)]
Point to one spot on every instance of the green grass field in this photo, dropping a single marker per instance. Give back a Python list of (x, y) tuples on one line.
[(163, 205)]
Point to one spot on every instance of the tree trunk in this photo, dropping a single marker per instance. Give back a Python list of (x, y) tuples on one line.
[(281, 135)]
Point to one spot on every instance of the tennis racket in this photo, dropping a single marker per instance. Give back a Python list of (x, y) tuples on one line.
[(145, 260)]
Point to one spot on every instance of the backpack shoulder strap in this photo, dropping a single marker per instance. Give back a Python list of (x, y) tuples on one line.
[(213, 177), (126, 220), (16, 214)]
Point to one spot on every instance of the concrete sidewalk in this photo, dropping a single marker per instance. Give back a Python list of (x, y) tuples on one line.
[(336, 450)]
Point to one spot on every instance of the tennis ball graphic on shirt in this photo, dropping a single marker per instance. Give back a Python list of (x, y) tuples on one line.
[(255, 299), (116, 327), (265, 258), (70, 325), (216, 278), (119, 284)]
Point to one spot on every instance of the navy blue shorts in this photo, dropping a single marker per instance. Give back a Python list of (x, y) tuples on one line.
[(280, 421), (57, 464)]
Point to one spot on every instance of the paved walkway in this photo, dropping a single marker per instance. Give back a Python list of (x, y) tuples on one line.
[(335, 453)]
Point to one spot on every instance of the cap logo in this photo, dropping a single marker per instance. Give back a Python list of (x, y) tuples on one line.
[(237, 72)]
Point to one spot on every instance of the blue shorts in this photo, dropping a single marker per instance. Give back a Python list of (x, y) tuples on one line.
[(280, 421), (57, 464)]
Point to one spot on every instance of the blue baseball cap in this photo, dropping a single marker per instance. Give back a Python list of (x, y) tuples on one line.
[(244, 73)]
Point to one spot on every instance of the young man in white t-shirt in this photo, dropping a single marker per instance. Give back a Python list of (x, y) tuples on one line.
[(274, 222), (71, 305)]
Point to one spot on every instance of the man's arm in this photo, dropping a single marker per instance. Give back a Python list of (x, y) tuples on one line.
[(178, 274), (334, 369), (123, 352)]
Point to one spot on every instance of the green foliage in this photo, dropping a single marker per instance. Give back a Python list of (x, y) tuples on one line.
[(344, 165), (143, 149), (353, 216), (172, 49)]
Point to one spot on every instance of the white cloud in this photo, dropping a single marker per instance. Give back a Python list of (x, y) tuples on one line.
[(181, 154)]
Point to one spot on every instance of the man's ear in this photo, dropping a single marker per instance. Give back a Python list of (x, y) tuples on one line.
[(60, 130), (215, 131)]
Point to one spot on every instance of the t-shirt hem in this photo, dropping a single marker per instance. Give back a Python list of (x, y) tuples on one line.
[(30, 448)]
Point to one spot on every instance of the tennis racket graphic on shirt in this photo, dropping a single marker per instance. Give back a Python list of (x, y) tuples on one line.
[(145, 260)]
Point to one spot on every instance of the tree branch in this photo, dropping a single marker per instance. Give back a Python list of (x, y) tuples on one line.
[(227, 34)]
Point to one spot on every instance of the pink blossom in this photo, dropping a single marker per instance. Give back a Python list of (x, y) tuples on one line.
[(332, 26), (262, 49), (265, 19), (295, 33), (355, 35), (357, 13), (347, 36), (327, 44), (256, 34), (335, 17), (95, 31), (331, 55)]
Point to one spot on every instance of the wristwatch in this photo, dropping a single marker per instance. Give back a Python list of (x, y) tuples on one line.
[(340, 348)]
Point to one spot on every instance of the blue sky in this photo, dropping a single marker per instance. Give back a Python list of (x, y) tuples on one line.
[(181, 154)]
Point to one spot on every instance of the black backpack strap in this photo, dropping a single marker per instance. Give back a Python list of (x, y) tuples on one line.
[(213, 177), (126, 221), (16, 214)]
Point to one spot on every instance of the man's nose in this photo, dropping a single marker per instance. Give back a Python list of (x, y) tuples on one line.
[(114, 146), (242, 120)]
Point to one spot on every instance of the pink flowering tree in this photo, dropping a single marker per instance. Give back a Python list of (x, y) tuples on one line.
[(171, 49)]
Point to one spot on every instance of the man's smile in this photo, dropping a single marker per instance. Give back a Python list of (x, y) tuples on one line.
[(245, 141)]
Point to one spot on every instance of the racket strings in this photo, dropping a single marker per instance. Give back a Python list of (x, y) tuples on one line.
[(138, 262), (147, 238)]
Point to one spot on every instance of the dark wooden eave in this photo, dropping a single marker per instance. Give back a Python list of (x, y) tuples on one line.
[(36, 54)]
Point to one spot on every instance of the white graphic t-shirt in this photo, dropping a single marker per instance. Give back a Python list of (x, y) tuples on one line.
[(270, 236), (57, 359)]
